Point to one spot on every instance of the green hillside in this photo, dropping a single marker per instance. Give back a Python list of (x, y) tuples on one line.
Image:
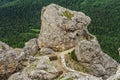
[(20, 20)]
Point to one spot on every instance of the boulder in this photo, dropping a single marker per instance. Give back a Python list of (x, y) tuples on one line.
[(91, 56), (8, 62), (59, 27), (46, 51), (4, 46), (31, 47)]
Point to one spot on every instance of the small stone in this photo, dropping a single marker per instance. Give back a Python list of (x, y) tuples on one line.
[(46, 51)]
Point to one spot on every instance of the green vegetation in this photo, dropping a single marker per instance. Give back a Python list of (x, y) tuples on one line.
[(19, 20), (73, 56), (69, 79), (59, 78), (73, 63), (68, 14)]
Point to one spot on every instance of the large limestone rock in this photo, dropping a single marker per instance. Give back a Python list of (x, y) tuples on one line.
[(60, 26), (89, 54)]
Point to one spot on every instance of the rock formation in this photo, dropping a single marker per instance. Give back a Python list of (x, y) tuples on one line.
[(59, 27), (8, 61), (62, 32), (39, 68), (31, 47), (91, 56), (116, 76), (12, 60)]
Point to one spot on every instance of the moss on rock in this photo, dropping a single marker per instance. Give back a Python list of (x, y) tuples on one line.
[(67, 14)]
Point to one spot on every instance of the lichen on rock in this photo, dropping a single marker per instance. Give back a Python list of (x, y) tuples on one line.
[(67, 14)]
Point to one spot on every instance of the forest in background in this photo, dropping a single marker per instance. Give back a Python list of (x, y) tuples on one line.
[(20, 21)]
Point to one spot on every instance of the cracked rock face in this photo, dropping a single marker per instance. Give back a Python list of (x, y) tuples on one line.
[(98, 63), (60, 26)]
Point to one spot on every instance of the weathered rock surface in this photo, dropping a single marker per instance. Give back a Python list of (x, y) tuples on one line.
[(8, 62), (116, 76), (77, 76), (46, 51), (41, 69), (4, 46), (12, 60), (59, 27), (31, 47), (62, 29), (98, 63)]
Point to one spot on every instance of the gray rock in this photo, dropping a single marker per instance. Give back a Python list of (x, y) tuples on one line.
[(8, 62), (31, 47), (98, 63), (4, 46), (116, 76), (12, 60), (77, 76), (59, 27), (16, 76), (20, 54), (41, 69), (46, 51)]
